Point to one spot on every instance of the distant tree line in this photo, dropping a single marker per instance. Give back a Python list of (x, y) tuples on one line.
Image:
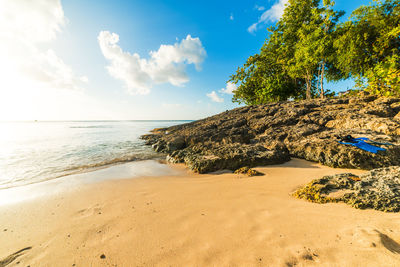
[(308, 45)]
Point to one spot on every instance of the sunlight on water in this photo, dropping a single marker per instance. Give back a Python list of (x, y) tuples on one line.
[(37, 151), (144, 168)]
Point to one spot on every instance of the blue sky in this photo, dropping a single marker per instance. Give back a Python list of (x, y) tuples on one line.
[(74, 68)]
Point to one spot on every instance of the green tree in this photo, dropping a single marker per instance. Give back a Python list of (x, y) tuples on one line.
[(368, 47), (307, 46), (296, 52), (309, 29), (326, 34), (263, 79), (295, 57)]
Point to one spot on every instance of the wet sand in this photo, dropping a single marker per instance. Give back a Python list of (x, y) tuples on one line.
[(197, 220)]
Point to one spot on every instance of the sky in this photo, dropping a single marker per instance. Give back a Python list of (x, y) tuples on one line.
[(129, 60)]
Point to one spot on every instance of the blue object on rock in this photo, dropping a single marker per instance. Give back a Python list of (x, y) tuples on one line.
[(361, 144), (367, 139)]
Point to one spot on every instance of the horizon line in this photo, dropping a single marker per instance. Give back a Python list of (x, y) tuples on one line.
[(4, 121)]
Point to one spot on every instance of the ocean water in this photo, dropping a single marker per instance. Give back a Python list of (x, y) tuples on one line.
[(32, 152)]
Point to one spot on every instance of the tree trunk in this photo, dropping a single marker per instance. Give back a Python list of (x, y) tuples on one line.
[(322, 93), (319, 73), (308, 84)]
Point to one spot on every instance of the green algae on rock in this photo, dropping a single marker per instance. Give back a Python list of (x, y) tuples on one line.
[(248, 171), (377, 189)]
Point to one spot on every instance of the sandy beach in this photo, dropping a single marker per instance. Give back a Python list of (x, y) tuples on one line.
[(200, 133), (219, 219)]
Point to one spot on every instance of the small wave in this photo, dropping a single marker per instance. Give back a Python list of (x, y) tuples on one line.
[(80, 169), (113, 161), (92, 126), (46, 151)]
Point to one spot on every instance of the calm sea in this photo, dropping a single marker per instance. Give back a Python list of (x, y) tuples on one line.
[(32, 152)]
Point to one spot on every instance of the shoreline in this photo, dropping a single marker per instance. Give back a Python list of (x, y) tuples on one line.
[(128, 170), (219, 219)]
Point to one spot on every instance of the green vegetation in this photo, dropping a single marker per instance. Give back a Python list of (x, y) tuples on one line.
[(313, 193), (308, 45), (248, 171)]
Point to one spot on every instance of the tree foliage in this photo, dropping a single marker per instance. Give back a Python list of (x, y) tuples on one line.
[(307, 46), (263, 77), (368, 47)]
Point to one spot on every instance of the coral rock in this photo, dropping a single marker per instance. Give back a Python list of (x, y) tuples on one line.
[(273, 133)]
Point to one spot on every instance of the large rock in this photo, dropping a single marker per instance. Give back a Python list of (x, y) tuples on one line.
[(397, 117), (378, 189), (204, 159), (272, 133), (176, 143)]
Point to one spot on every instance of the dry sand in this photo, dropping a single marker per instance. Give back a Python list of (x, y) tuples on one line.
[(197, 220)]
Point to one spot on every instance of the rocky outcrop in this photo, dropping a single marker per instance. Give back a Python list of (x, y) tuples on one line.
[(397, 117), (248, 171), (272, 133), (378, 189)]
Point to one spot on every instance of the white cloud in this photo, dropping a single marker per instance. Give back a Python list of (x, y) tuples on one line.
[(166, 65), (259, 8), (252, 28), (231, 17), (47, 68), (230, 87), (25, 27), (214, 97), (31, 21), (270, 15)]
